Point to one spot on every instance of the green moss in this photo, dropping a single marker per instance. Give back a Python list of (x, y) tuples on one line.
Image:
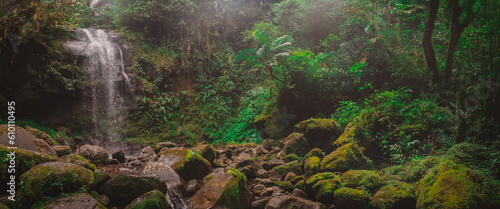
[(299, 184), (411, 172), (311, 181), (351, 198), (151, 200), (208, 152), (297, 179), (395, 194), (452, 185), (78, 160), (291, 157), (125, 188), (362, 179), (323, 189), (282, 170), (315, 152), (311, 165), (347, 137), (286, 185), (99, 179), (191, 166), (25, 160), (349, 156), (296, 144), (235, 191)]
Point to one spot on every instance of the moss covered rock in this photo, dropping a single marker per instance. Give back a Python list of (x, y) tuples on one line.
[(25, 140), (270, 143), (54, 178), (75, 200), (125, 188), (285, 185), (207, 151), (223, 190), (78, 160), (311, 165), (290, 157), (188, 164), (41, 135), (347, 137), (279, 172), (452, 185), (394, 195), (95, 154), (323, 190), (159, 146), (349, 156), (62, 150), (318, 132), (474, 156), (151, 200), (296, 143), (311, 181), (362, 179), (348, 198), (315, 152), (285, 202), (270, 122), (100, 178)]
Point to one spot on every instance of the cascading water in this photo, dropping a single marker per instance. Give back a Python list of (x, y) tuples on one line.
[(107, 84)]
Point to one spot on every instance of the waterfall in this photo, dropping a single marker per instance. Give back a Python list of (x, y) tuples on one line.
[(108, 83)]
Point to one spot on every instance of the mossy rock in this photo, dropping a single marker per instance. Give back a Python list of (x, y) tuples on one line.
[(2, 206), (24, 161), (223, 190), (74, 200), (62, 150), (411, 172), (452, 185), (290, 157), (54, 178), (281, 170), (207, 151), (474, 156), (270, 143), (188, 164), (285, 185), (296, 143), (318, 132), (395, 195), (349, 156), (151, 200), (41, 135), (323, 190), (311, 181), (311, 165), (25, 140), (349, 198), (125, 188), (315, 152), (78, 160), (270, 123), (299, 184), (362, 179), (119, 155), (347, 137), (162, 145), (95, 154), (100, 178)]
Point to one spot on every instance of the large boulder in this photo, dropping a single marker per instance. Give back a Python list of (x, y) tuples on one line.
[(223, 189), (362, 179), (207, 151), (188, 164), (296, 143), (311, 181), (270, 164), (54, 178), (151, 200), (349, 156), (62, 150), (95, 154), (125, 188), (394, 195), (25, 140), (318, 132), (41, 135), (285, 202), (452, 185), (348, 198), (279, 172), (119, 155), (78, 160), (77, 200)]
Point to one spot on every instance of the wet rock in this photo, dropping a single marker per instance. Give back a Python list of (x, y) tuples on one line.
[(285, 202), (119, 155), (262, 174), (151, 200), (100, 178), (296, 143), (78, 160), (95, 154), (347, 198), (193, 186), (222, 190), (362, 178), (62, 150), (394, 195), (147, 153), (25, 140), (349, 156), (260, 204), (163, 172), (135, 163), (113, 162), (299, 193), (158, 147), (318, 132), (24, 160), (125, 188), (54, 178), (188, 164), (63, 139), (270, 164), (78, 200), (277, 191)]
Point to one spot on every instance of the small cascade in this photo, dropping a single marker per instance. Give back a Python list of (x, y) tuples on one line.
[(175, 198)]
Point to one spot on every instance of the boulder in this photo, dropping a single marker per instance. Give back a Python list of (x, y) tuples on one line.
[(207, 151), (269, 144), (318, 132), (299, 193), (362, 179), (100, 178), (95, 154), (279, 172), (451, 185), (25, 140), (163, 172), (119, 155), (78, 160), (62, 150), (285, 185), (223, 189), (260, 204), (262, 174), (159, 146), (349, 156), (296, 143), (324, 189), (54, 178), (270, 164), (193, 186), (125, 188), (348, 198), (151, 200), (311, 181), (311, 165), (41, 135), (188, 164), (394, 195), (77, 200), (286, 201)]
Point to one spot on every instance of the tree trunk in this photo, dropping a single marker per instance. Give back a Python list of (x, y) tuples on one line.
[(430, 55)]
